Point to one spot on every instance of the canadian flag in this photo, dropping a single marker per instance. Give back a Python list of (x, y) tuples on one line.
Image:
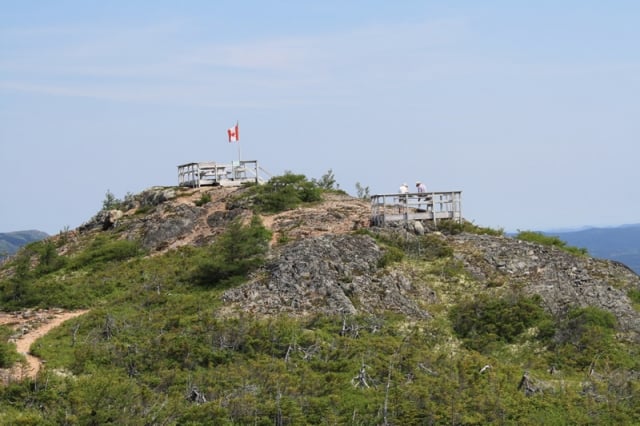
[(234, 133)]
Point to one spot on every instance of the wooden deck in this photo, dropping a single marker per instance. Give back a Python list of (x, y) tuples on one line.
[(431, 206), (212, 173)]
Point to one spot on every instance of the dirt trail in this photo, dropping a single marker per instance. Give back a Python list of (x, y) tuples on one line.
[(31, 326)]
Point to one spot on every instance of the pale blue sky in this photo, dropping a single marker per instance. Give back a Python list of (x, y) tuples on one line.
[(530, 108)]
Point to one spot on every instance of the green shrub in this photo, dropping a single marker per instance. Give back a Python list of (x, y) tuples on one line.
[(48, 259), (430, 247), (16, 288), (110, 201), (390, 254), (204, 199), (397, 245), (327, 181), (548, 240), (8, 354), (585, 335), (488, 320), (103, 249), (284, 192), (590, 316), (238, 251), (454, 227), (634, 295)]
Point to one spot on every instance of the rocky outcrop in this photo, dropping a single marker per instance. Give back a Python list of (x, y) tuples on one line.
[(330, 274), (318, 265), (221, 219), (103, 220), (108, 218), (156, 196), (163, 227), (338, 214), (562, 280), (338, 273)]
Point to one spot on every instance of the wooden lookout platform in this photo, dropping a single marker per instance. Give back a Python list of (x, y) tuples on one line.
[(219, 174), (432, 206)]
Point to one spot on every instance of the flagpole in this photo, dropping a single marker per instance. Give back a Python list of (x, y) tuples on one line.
[(238, 136)]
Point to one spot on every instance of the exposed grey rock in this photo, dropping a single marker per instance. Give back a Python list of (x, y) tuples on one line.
[(111, 218), (418, 228), (330, 274), (221, 219), (106, 219), (103, 220), (157, 230), (156, 195), (562, 279)]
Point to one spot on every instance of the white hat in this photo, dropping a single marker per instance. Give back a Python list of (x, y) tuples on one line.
[(417, 183)]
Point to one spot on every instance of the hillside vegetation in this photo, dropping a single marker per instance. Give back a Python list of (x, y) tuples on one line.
[(278, 304), (10, 242)]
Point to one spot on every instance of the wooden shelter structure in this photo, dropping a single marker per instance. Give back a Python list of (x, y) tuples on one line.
[(219, 174), (431, 206)]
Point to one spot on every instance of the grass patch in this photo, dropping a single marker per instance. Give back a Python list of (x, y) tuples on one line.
[(453, 227), (104, 249), (634, 295), (8, 353), (551, 241), (204, 199)]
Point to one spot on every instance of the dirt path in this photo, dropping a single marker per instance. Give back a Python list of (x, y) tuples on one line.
[(31, 326)]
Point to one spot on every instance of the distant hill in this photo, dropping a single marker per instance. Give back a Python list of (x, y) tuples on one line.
[(10, 242), (620, 243)]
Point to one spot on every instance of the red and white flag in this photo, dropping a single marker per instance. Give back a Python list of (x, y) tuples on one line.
[(234, 133)]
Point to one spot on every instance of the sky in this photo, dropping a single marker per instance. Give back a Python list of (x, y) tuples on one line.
[(531, 109)]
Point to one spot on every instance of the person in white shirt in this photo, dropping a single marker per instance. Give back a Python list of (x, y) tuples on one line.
[(404, 189)]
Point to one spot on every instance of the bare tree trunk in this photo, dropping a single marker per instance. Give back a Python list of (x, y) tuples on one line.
[(75, 334), (361, 379), (386, 396)]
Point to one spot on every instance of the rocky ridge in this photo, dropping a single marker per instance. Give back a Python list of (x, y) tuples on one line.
[(330, 274), (562, 280), (317, 264)]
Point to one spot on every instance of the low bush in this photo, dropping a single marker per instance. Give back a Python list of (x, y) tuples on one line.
[(549, 240), (390, 255), (204, 199), (634, 295), (8, 354), (111, 201), (284, 192), (454, 227), (104, 249), (432, 247), (587, 334), (48, 258), (238, 251), (15, 289), (487, 320)]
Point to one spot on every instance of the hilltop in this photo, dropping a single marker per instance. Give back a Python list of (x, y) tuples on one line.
[(281, 304)]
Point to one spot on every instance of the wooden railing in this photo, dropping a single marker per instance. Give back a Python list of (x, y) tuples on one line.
[(212, 173), (416, 206)]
